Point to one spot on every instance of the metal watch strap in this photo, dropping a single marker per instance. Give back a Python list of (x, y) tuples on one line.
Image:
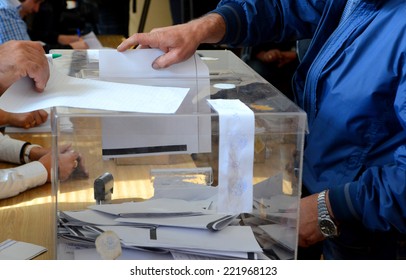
[(323, 213), (321, 205)]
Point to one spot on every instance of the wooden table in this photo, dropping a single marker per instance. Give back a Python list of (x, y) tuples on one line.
[(29, 216), (110, 41)]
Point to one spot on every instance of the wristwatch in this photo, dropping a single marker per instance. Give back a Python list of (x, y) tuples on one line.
[(327, 226)]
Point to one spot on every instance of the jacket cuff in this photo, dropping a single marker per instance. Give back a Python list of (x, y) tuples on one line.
[(341, 203)]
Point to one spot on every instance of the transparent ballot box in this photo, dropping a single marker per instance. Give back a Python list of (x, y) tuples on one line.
[(220, 178)]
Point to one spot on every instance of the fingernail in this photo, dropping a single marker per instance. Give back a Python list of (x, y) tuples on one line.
[(155, 66)]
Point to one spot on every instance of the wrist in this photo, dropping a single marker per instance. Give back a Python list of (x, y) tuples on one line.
[(215, 28), (30, 152), (327, 224)]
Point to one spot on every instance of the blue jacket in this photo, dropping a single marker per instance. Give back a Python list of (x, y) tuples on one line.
[(352, 84)]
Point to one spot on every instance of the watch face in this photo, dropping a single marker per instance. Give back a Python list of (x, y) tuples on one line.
[(327, 227)]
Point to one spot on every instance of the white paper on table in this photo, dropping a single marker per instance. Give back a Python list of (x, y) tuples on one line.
[(236, 156), (66, 91), (19, 250)]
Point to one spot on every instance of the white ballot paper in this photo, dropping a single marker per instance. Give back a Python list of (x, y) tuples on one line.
[(138, 64), (231, 239), (236, 159), (155, 207), (92, 41), (93, 217), (63, 90)]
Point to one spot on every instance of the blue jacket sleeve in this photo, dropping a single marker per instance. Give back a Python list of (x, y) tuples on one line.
[(251, 22), (378, 198)]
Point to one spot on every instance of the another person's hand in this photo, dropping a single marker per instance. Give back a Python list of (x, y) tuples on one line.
[(277, 56), (179, 42), (23, 59), (24, 120), (79, 45), (67, 39), (70, 163)]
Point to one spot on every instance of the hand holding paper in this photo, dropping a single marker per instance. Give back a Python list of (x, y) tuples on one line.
[(63, 90)]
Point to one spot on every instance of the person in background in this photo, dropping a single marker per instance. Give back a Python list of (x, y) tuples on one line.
[(46, 22), (114, 17), (185, 10), (20, 59), (13, 27), (352, 84), (108, 17)]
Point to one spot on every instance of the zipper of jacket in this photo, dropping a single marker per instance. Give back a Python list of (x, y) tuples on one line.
[(327, 52)]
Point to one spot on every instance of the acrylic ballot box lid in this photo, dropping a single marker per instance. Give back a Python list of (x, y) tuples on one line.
[(154, 179)]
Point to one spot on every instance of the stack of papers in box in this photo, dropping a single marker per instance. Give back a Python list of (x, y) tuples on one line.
[(162, 225)]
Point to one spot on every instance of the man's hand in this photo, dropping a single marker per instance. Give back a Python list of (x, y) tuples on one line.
[(179, 42), (309, 231), (20, 59)]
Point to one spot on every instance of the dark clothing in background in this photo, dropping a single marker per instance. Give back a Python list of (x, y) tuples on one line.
[(280, 77), (185, 10), (53, 19)]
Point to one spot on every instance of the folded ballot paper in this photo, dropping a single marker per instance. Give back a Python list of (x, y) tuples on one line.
[(162, 226)]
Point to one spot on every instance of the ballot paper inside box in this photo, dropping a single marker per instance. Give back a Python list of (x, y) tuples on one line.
[(237, 189)]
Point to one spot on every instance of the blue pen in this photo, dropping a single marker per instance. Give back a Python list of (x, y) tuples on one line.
[(78, 32)]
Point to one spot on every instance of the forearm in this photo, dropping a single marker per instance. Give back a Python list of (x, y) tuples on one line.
[(11, 149), (4, 116), (18, 152), (16, 180), (213, 31)]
